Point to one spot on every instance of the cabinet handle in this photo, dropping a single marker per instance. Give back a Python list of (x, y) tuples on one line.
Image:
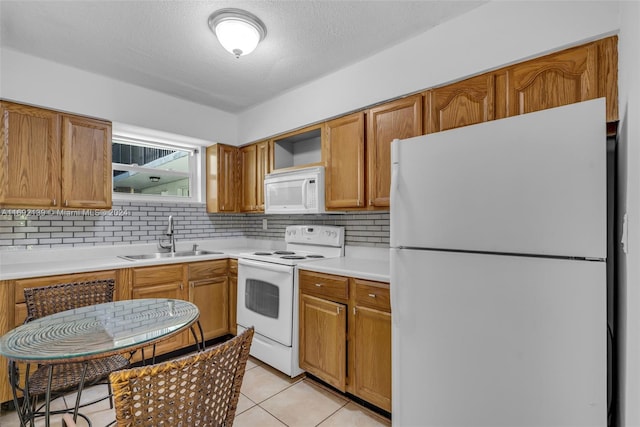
[(319, 285), (338, 309), (66, 203), (372, 295), (354, 311), (53, 203)]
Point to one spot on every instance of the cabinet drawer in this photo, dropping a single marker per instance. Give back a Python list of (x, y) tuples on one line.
[(207, 269), (147, 276), (233, 267), (324, 285), (36, 282), (372, 294)]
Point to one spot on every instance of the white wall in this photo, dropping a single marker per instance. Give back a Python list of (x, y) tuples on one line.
[(490, 36), (629, 146), (37, 81)]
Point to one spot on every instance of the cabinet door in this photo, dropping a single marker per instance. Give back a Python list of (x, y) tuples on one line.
[(211, 296), (228, 180), (6, 324), (323, 328), (221, 178), (344, 151), (86, 163), (264, 164), (233, 301), (29, 156), (460, 104), (554, 80), (397, 119), (372, 356), (248, 183), (165, 281), (233, 296), (172, 290)]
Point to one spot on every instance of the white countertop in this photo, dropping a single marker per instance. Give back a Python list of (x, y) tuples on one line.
[(47, 262), (361, 262)]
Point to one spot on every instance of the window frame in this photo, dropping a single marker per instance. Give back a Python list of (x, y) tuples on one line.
[(156, 139)]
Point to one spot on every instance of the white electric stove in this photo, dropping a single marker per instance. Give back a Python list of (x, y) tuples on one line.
[(268, 292)]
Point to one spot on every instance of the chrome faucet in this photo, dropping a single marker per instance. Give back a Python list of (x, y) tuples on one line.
[(172, 240)]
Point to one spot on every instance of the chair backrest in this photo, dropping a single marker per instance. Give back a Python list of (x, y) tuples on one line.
[(52, 299), (199, 389)]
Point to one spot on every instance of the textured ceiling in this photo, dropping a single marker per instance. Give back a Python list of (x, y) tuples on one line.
[(167, 45)]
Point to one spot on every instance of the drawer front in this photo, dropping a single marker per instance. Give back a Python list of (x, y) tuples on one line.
[(324, 285), (207, 269), (36, 282), (233, 267), (147, 276), (372, 294)]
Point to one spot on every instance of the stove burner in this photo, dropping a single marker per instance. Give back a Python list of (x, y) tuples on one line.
[(262, 253), (284, 252), (315, 256), (292, 256)]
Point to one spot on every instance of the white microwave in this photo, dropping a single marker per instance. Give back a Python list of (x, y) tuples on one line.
[(297, 191)]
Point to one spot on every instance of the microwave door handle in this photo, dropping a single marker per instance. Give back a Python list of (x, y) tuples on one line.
[(304, 193)]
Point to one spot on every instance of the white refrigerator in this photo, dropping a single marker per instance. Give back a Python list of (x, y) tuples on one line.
[(498, 272)]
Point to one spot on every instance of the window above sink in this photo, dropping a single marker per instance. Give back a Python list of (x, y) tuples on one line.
[(150, 165)]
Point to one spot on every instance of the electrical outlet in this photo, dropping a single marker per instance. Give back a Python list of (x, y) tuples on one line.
[(264, 223)]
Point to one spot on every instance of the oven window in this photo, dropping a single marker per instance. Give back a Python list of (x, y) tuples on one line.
[(262, 298)]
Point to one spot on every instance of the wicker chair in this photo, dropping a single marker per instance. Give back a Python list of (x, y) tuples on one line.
[(199, 389), (48, 300)]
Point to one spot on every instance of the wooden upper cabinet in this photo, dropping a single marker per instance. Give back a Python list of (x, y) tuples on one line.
[(30, 156), (344, 150), (608, 75), (554, 80), (248, 161), (54, 160), (86, 163), (397, 119), (255, 163), (221, 178), (264, 165), (468, 102)]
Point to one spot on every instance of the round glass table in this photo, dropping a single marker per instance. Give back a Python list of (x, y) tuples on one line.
[(93, 332)]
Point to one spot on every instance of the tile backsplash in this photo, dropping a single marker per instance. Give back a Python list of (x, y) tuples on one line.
[(135, 222)]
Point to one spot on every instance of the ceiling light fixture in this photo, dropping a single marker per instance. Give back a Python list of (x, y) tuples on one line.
[(238, 31), (154, 178)]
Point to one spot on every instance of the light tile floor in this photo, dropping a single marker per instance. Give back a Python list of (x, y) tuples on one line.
[(269, 398)]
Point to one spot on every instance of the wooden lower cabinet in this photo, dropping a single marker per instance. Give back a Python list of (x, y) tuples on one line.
[(323, 327), (209, 291), (371, 349), (165, 281), (6, 324), (345, 334), (233, 296), (210, 285), (13, 310)]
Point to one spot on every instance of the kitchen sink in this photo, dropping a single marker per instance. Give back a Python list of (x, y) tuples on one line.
[(161, 255)]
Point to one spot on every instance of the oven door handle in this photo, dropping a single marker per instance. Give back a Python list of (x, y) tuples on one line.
[(266, 265)]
